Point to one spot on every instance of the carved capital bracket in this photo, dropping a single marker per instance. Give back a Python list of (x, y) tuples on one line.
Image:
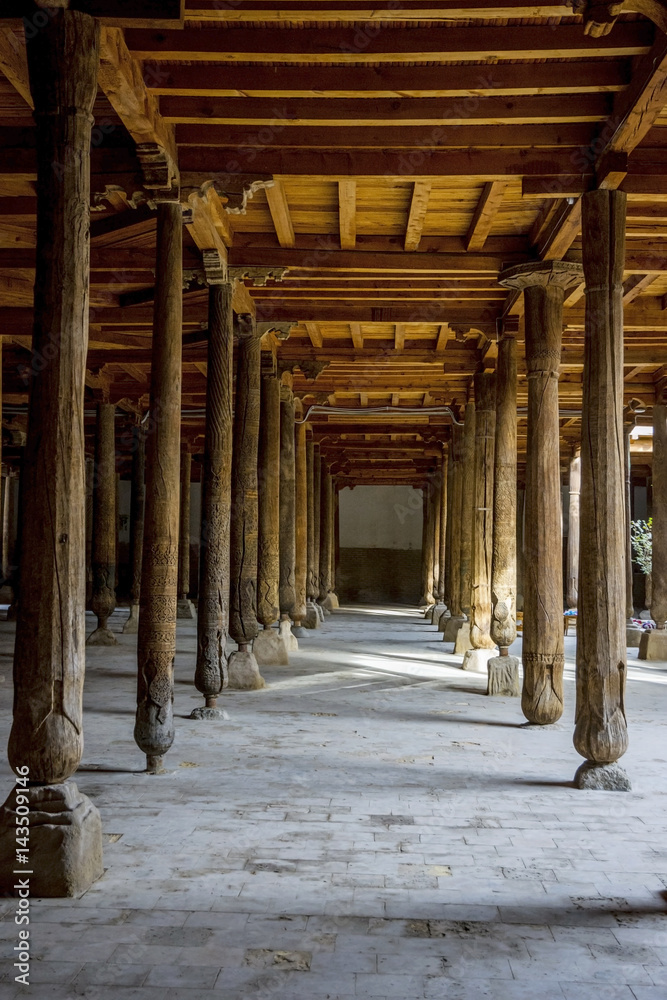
[(258, 275), (599, 18), (238, 189), (281, 330), (99, 382), (561, 273), (118, 197), (309, 369), (508, 327), (160, 172), (244, 326), (215, 267)]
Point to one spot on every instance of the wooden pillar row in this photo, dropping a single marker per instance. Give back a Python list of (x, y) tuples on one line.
[(300, 522), (482, 550), (105, 526)]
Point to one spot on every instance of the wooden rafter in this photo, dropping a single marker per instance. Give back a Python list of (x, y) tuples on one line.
[(421, 193), (399, 337), (280, 213), (357, 338), (485, 213), (636, 284), (313, 331), (347, 213), (13, 63)]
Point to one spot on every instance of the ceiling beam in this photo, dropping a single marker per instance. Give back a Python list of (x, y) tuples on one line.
[(313, 331), (399, 337), (485, 213), (421, 192), (636, 284), (357, 338), (14, 64), (347, 213), (280, 213)]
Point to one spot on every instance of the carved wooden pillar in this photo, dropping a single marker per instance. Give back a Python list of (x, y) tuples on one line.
[(442, 549), (326, 525), (243, 671), (335, 546), (446, 552), (6, 510), (300, 523), (15, 555), (47, 731), (543, 284), (312, 619), (214, 579), (504, 669), (269, 647), (156, 644), (653, 645), (436, 495), (482, 542), (317, 500), (600, 734), (137, 503), (452, 624), (184, 608), (573, 523), (287, 592), (467, 501), (104, 526), (426, 601)]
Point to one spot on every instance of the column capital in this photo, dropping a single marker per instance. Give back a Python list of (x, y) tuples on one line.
[(281, 330), (244, 326), (542, 273), (286, 394), (258, 275)]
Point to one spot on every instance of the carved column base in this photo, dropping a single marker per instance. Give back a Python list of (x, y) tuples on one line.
[(299, 631), (476, 660), (65, 842), (602, 777), (462, 642), (186, 609), (330, 602), (208, 714), (443, 619), (131, 626), (288, 637), (269, 649), (452, 626), (325, 611), (102, 636), (312, 619), (244, 672), (653, 644), (504, 679)]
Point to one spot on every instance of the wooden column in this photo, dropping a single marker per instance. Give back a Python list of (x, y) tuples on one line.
[(573, 523), (156, 645), (482, 539), (214, 579), (317, 500), (184, 608), (326, 532), (504, 669), (6, 510), (449, 488), (453, 597), (600, 734), (268, 552), (243, 671), (105, 524), (312, 619), (442, 548), (300, 523), (543, 284), (467, 500), (633, 633), (287, 505), (436, 493), (653, 645), (137, 503), (47, 731), (426, 600), (335, 542)]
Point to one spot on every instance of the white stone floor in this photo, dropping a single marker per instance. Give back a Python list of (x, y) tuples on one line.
[(370, 825)]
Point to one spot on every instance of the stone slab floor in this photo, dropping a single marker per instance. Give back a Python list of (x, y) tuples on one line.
[(370, 825)]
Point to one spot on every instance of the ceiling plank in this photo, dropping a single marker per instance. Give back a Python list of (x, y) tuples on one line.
[(280, 213), (485, 213), (421, 193), (347, 213)]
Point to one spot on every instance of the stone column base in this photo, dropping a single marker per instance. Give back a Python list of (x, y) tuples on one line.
[(436, 611), (633, 636), (131, 626), (443, 619), (452, 626), (299, 631), (288, 637), (462, 642), (476, 660), (102, 637), (653, 644), (504, 677), (269, 648), (602, 777), (321, 612), (312, 619), (65, 846), (208, 714), (331, 601), (186, 609), (243, 672)]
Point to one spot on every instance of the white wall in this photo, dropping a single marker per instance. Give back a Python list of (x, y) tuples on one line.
[(380, 517)]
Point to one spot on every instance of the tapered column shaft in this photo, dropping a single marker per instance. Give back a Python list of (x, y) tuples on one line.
[(629, 596), (317, 500), (184, 525), (326, 532), (156, 645), (442, 547), (104, 516), (214, 579), (268, 553), (244, 522), (467, 500), (573, 531), (427, 546), (482, 546), (47, 731), (301, 523), (335, 531), (659, 516), (503, 577), (287, 505), (600, 734), (436, 492), (454, 522), (311, 589)]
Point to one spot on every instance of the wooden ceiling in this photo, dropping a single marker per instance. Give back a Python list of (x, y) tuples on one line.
[(409, 151)]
